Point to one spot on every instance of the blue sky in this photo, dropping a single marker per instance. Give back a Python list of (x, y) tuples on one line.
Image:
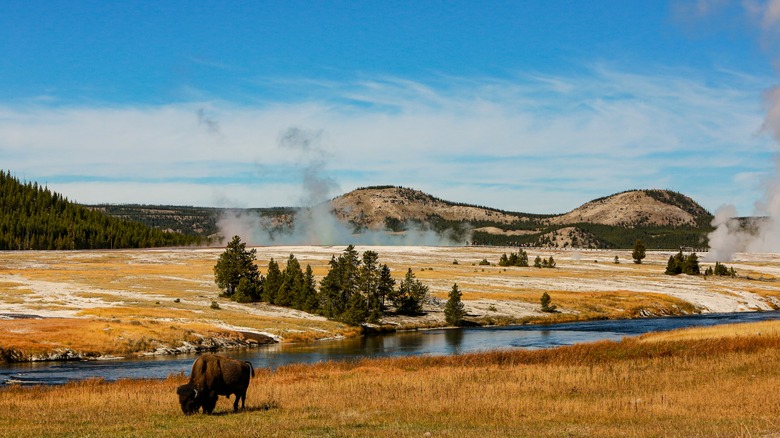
[(534, 106)]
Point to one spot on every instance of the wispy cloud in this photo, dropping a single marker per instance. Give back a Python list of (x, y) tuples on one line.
[(535, 142)]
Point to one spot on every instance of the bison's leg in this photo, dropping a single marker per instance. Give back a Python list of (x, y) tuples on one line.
[(209, 403)]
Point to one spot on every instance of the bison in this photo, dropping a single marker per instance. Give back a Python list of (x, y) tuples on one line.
[(211, 376)]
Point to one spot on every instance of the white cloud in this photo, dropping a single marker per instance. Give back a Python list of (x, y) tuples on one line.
[(536, 143)]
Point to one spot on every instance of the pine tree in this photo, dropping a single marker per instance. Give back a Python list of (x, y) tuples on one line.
[(545, 302), (308, 294), (411, 295), (369, 284), (233, 265), (675, 264), (247, 291), (340, 284), (291, 283), (639, 252), (690, 265), (273, 282), (454, 310), (386, 285)]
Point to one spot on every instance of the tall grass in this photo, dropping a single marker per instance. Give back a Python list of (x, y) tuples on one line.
[(704, 384)]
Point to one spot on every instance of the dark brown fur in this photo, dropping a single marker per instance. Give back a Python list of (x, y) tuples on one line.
[(211, 376)]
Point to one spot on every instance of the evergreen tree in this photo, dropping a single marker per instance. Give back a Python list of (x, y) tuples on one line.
[(370, 274), (503, 260), (356, 311), (386, 285), (308, 301), (454, 310), (675, 264), (721, 269), (411, 295), (247, 291), (341, 282), (639, 252), (538, 262), (291, 284), (551, 262), (273, 282), (545, 302), (233, 265), (690, 265), (522, 258)]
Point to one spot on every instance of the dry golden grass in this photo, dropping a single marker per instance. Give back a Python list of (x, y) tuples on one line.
[(96, 337), (702, 384)]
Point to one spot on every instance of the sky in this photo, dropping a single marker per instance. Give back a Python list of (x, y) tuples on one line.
[(531, 106)]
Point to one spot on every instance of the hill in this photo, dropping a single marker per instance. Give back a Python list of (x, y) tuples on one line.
[(385, 206), (662, 219), (33, 217), (638, 208)]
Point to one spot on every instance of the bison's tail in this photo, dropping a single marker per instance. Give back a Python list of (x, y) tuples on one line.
[(251, 369)]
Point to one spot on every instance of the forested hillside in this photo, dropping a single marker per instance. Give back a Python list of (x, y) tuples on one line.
[(33, 217)]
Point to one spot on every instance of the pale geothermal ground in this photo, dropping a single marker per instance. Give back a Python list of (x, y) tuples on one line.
[(175, 288)]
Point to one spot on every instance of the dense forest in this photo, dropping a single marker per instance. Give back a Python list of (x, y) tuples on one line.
[(34, 218)]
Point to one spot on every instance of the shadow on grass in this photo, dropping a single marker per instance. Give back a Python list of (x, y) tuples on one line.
[(267, 406)]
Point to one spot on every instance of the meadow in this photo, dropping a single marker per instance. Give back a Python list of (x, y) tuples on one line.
[(126, 302), (706, 382)]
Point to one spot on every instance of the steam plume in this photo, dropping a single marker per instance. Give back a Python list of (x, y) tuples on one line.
[(763, 234), (315, 222)]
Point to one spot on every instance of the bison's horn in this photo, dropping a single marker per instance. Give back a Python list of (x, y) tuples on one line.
[(196, 393)]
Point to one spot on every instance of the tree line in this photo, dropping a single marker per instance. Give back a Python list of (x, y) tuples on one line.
[(356, 289), (32, 217)]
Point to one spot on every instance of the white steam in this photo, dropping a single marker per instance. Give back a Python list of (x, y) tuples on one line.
[(762, 233), (315, 223)]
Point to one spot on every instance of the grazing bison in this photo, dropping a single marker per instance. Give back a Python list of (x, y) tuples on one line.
[(211, 376)]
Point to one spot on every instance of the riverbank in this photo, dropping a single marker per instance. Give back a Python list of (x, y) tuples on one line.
[(698, 382), (96, 304)]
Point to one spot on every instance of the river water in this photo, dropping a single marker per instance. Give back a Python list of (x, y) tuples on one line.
[(424, 342)]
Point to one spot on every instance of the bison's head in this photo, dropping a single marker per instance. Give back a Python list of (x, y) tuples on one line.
[(189, 399)]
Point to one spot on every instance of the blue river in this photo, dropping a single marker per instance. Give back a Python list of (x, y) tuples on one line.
[(423, 342)]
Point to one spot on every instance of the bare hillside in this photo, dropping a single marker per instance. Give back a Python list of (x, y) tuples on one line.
[(377, 207), (635, 208)]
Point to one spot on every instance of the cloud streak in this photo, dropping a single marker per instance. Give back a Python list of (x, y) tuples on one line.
[(535, 142)]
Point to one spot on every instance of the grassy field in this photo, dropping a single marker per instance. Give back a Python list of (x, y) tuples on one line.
[(134, 301), (699, 382)]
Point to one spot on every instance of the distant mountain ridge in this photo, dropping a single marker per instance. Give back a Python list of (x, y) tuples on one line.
[(372, 206), (660, 218)]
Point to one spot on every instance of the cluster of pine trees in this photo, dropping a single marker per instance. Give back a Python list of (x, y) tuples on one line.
[(519, 258), (720, 270), (34, 218), (682, 264), (356, 289)]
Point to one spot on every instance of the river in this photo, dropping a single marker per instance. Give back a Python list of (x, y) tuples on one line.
[(424, 342)]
